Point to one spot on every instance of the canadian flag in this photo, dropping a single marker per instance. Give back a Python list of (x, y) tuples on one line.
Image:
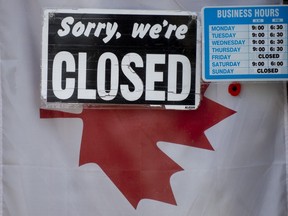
[(227, 158)]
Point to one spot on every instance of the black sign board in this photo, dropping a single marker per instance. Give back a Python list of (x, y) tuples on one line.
[(117, 57)]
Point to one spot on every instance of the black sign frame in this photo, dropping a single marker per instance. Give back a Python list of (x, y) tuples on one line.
[(76, 42)]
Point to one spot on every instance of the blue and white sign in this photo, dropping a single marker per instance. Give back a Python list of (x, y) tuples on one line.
[(245, 43)]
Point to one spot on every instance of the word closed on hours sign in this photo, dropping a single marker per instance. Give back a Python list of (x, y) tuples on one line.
[(245, 43), (120, 58)]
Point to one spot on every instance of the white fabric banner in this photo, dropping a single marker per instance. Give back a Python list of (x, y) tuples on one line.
[(87, 163)]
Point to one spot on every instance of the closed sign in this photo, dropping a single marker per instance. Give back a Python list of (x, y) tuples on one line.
[(117, 57)]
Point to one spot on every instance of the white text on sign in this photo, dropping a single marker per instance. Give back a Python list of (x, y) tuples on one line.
[(116, 67)]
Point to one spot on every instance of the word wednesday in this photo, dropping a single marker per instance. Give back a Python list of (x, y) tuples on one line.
[(119, 59)]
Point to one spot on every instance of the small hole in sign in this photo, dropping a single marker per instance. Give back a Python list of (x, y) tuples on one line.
[(234, 89)]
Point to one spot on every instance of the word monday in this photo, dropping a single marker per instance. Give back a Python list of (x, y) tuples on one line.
[(141, 59)]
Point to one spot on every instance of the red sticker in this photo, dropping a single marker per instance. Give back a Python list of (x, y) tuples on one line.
[(234, 89)]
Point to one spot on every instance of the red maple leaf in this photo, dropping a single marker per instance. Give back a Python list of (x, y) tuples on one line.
[(123, 143)]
